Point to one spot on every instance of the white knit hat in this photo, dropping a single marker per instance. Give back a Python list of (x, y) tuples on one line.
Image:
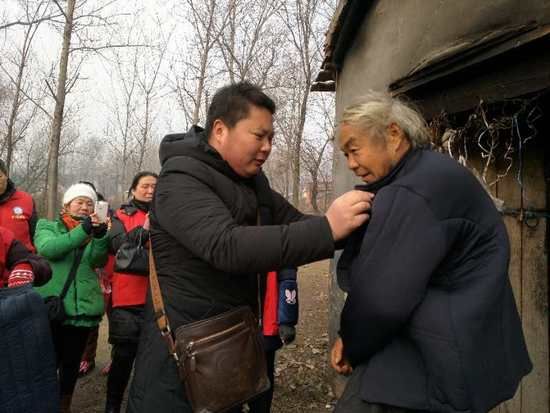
[(77, 190)]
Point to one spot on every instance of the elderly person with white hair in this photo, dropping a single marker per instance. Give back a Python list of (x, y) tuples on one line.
[(75, 244), (430, 322)]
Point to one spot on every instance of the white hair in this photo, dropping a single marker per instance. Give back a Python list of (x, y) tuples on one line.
[(377, 110)]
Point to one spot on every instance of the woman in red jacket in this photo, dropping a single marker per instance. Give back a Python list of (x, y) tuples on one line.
[(129, 232)]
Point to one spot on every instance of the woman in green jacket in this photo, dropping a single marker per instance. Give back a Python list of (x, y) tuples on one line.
[(76, 239)]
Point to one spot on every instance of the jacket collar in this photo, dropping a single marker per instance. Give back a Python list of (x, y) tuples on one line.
[(134, 206), (194, 143), (394, 173)]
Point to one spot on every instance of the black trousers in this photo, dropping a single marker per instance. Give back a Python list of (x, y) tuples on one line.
[(69, 343), (351, 401), (125, 325), (123, 356), (263, 403)]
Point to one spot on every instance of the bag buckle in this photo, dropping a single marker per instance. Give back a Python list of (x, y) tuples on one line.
[(165, 331)]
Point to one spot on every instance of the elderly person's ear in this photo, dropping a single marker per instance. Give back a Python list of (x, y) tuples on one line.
[(395, 136)]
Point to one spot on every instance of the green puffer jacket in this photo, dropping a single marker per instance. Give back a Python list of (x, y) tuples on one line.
[(84, 299)]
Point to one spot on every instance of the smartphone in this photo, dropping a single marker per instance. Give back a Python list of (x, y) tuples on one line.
[(102, 210)]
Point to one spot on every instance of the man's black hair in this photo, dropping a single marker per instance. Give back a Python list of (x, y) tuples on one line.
[(232, 103)]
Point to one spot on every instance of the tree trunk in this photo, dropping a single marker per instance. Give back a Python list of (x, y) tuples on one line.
[(298, 146), (13, 116), (10, 141), (204, 63), (145, 134), (315, 194), (55, 137)]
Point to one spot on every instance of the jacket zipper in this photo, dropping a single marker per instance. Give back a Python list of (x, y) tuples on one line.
[(191, 353)]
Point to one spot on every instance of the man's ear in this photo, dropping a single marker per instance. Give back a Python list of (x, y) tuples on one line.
[(218, 133)]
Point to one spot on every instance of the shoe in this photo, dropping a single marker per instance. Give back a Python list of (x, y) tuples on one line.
[(86, 367), (105, 370)]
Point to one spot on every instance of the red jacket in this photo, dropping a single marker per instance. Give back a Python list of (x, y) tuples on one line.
[(17, 213), (14, 256), (270, 322), (127, 289)]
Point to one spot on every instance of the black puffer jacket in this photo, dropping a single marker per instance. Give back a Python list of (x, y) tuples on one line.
[(430, 312), (208, 251)]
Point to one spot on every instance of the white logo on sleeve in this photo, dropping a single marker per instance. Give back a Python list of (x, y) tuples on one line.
[(290, 297)]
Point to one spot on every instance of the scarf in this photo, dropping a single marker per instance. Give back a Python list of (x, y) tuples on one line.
[(141, 205), (71, 222)]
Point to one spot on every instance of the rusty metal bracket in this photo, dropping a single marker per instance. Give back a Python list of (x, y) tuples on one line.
[(529, 216)]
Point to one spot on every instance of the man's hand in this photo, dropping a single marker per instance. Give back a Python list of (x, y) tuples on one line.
[(337, 359), (348, 212)]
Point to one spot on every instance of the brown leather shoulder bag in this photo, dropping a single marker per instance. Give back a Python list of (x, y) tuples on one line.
[(221, 360)]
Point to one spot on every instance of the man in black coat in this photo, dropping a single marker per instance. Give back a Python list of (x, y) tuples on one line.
[(430, 322), (207, 245)]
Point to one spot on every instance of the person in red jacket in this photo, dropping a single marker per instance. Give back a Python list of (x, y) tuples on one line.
[(17, 210), (130, 229), (279, 318), (28, 378)]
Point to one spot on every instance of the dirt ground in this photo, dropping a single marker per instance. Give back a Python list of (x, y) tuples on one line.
[(301, 383)]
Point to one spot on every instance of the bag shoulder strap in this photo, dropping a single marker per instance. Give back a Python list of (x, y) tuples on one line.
[(72, 272), (158, 305)]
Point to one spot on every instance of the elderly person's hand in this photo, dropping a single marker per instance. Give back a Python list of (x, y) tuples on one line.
[(337, 359), (348, 212)]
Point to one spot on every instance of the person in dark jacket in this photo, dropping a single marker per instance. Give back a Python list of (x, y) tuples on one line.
[(206, 244), (28, 378), (17, 210), (128, 289), (430, 322)]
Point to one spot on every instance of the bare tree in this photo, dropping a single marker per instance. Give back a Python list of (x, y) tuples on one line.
[(316, 152), (123, 104), (250, 40), (34, 13), (298, 16), (55, 136), (191, 75), (82, 19), (148, 81), (36, 18)]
